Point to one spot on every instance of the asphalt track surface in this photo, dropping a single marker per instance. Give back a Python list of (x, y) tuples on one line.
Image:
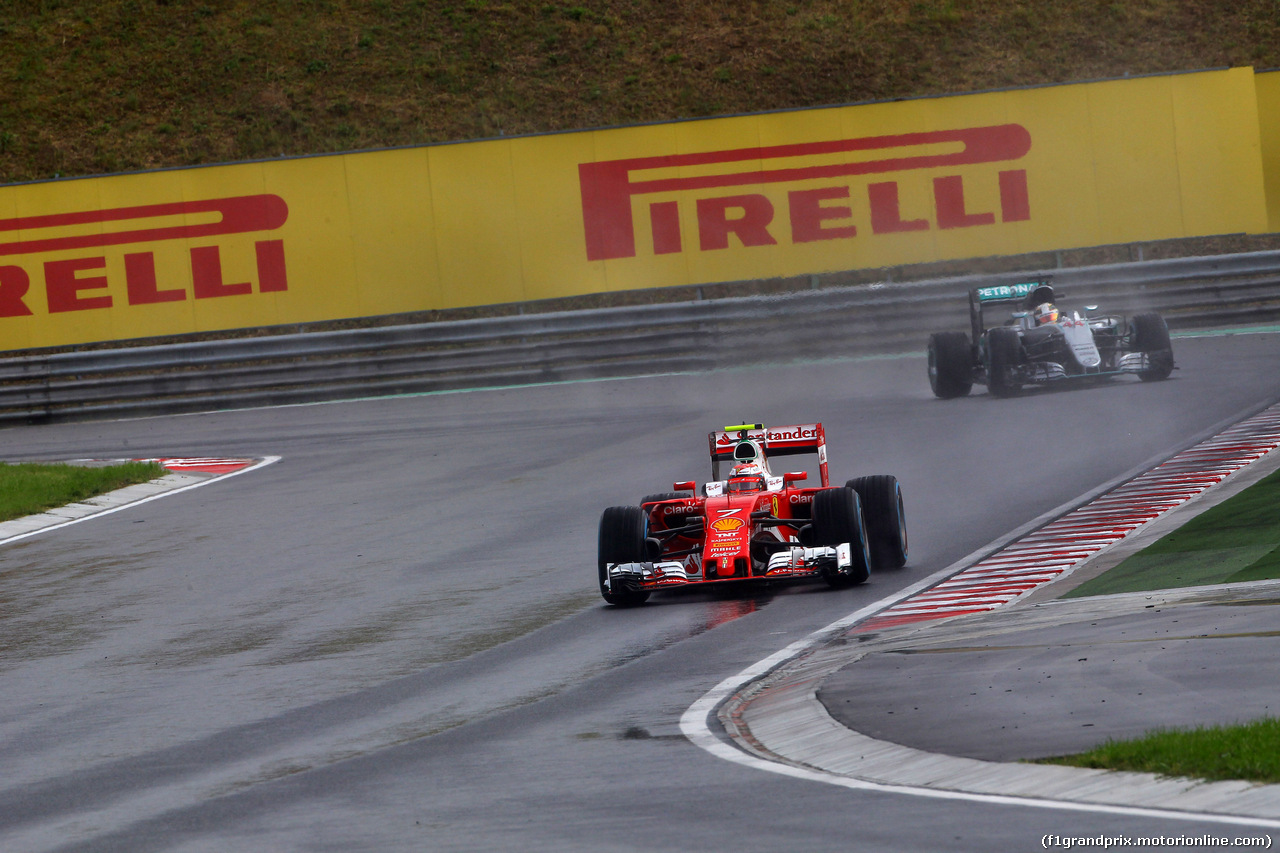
[(391, 638)]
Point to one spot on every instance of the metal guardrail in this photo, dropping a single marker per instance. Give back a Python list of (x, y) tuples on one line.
[(878, 318)]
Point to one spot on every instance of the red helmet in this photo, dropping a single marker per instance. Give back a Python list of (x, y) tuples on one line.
[(754, 483), (747, 477), (1046, 312)]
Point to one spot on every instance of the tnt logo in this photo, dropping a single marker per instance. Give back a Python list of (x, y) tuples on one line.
[(77, 283), (608, 188)]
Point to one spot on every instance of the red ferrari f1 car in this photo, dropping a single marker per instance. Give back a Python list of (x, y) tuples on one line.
[(754, 525)]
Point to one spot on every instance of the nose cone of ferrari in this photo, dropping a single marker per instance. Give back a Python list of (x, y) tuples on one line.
[(727, 550)]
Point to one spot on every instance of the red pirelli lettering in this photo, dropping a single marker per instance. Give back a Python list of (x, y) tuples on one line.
[(886, 211), (140, 281), (948, 195), (206, 275), (237, 215), (808, 215), (14, 284), (664, 218), (1015, 203), (751, 227), (607, 187), (69, 286), (63, 283)]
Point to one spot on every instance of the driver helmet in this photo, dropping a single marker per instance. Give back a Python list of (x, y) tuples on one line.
[(738, 485), (746, 477), (1046, 312)]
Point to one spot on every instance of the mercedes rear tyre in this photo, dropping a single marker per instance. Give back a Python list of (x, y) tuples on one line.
[(622, 535), (837, 519), (1151, 336), (882, 509), (1004, 354), (950, 364)]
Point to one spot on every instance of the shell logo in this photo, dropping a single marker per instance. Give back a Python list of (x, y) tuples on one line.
[(727, 525)]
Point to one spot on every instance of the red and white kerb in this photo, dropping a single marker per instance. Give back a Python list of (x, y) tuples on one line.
[(203, 464), (1061, 545)]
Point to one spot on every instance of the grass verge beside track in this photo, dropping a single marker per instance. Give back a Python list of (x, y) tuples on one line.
[(30, 488), (1250, 751), (1238, 540)]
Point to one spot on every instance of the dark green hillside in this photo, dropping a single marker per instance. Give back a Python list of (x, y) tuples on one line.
[(93, 86)]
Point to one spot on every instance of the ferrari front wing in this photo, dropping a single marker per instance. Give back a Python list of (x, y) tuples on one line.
[(794, 562)]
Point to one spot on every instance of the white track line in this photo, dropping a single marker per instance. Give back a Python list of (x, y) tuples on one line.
[(120, 499)]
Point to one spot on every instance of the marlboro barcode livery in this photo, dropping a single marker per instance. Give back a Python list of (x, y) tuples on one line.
[(750, 525)]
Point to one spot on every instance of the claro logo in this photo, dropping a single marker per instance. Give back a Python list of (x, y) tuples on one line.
[(71, 284), (608, 188)]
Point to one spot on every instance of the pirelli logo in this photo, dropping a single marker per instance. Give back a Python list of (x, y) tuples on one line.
[(610, 190), (75, 280)]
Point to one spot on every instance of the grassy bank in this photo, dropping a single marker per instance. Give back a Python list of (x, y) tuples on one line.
[(30, 488), (121, 85)]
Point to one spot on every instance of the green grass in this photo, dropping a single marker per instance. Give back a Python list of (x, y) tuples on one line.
[(30, 488), (1250, 751), (1237, 540), (99, 86)]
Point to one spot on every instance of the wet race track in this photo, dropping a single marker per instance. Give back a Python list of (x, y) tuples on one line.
[(391, 639)]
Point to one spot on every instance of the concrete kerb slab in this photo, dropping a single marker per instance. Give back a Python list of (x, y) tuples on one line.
[(174, 482), (780, 720)]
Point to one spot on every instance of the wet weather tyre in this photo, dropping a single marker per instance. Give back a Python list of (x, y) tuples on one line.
[(1151, 336), (950, 364), (622, 534), (1004, 353), (837, 518), (885, 517)]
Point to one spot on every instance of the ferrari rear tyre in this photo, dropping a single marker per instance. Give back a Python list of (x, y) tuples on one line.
[(1151, 336), (1004, 351), (950, 364), (886, 520), (622, 535), (837, 519)]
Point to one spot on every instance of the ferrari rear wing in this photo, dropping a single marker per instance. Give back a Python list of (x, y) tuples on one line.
[(776, 441)]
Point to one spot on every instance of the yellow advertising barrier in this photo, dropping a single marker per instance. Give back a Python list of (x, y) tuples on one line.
[(1268, 87), (511, 220)]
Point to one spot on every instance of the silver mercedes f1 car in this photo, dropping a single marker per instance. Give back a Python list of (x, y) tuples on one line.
[(1039, 344)]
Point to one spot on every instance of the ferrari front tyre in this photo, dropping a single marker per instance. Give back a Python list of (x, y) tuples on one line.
[(886, 519), (837, 519), (1151, 336), (622, 535), (950, 364), (1004, 354)]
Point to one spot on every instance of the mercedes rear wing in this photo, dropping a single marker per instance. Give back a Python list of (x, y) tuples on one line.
[(1028, 293), (776, 441)]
